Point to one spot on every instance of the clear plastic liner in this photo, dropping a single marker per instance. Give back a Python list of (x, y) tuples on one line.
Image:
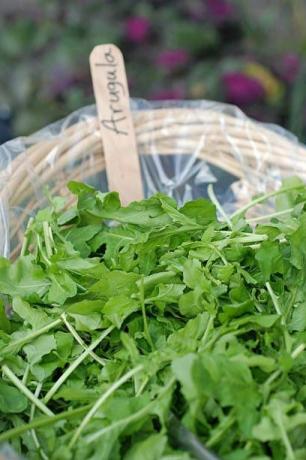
[(183, 147)]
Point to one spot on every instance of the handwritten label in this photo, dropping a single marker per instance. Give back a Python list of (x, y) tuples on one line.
[(116, 90), (116, 124)]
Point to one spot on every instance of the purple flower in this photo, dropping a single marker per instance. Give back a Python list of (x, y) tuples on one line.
[(168, 94), (137, 29), (220, 10), (242, 89), (172, 59), (289, 67)]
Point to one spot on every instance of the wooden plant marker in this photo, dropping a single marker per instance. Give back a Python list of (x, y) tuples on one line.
[(116, 124)]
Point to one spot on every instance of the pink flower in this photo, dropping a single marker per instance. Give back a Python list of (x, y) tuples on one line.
[(137, 29), (172, 59), (220, 10), (289, 67), (168, 94), (242, 89)]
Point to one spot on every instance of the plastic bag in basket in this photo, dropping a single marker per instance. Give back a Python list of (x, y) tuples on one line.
[(183, 147)]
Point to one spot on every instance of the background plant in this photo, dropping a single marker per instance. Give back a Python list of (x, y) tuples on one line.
[(248, 53)]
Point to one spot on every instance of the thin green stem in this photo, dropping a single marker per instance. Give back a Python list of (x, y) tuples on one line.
[(221, 429), (33, 432), (12, 347), (217, 251), (265, 197), (274, 299), (41, 251), (43, 421), (216, 202), (75, 364), (26, 374), (271, 216), (142, 386), (151, 280), (286, 441), (131, 418), (51, 238), (209, 327), (101, 400), (184, 228), (143, 310), (298, 351), (18, 383), (47, 239), (255, 238), (278, 372), (290, 304), (25, 242), (79, 339)]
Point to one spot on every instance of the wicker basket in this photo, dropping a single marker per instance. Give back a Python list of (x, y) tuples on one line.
[(239, 146)]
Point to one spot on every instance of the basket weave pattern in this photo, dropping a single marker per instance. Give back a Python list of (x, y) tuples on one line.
[(241, 147)]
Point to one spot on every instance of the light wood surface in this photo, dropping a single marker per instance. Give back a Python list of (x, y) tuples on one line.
[(115, 122)]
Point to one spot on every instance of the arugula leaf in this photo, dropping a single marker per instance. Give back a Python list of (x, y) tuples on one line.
[(115, 283), (118, 308), (34, 316), (11, 400), (23, 278), (79, 237), (201, 210), (62, 288), (270, 259), (151, 448), (39, 347), (120, 317)]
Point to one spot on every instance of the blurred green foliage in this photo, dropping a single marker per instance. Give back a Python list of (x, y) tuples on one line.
[(248, 53)]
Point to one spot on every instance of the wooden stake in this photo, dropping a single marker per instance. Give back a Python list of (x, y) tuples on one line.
[(115, 121)]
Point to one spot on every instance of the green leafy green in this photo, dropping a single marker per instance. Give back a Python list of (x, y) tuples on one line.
[(11, 400), (119, 319)]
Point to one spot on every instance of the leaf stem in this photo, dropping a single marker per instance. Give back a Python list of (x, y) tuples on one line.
[(265, 197), (101, 400), (15, 380), (209, 326), (75, 364), (26, 374), (217, 251), (25, 242), (42, 421), (143, 310), (33, 432), (44, 257), (151, 280), (290, 304), (274, 299), (47, 239), (286, 441), (131, 418), (271, 216), (19, 343), (216, 202), (298, 351), (79, 339), (278, 372), (220, 430)]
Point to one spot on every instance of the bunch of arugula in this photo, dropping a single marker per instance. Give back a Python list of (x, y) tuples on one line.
[(121, 318)]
